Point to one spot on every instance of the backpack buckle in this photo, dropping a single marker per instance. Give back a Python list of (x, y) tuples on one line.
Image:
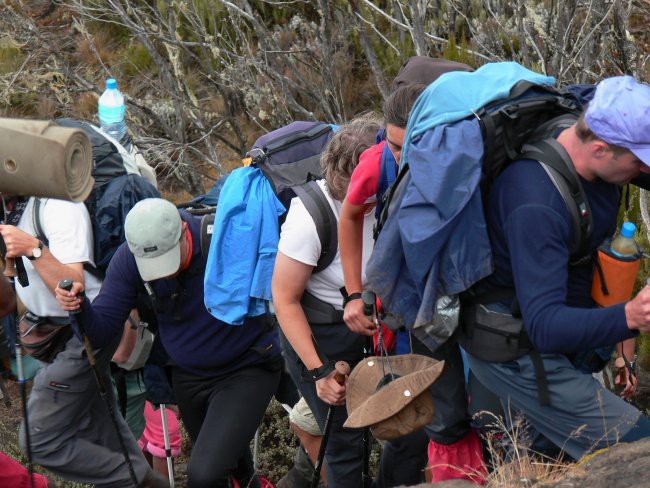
[(256, 154)]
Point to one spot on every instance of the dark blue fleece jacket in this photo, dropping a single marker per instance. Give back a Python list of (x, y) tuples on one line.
[(194, 339), (530, 231)]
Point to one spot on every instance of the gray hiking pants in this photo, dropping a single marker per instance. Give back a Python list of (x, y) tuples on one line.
[(71, 433), (583, 416)]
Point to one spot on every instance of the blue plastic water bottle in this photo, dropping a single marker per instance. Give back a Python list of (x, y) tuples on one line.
[(111, 111), (624, 246)]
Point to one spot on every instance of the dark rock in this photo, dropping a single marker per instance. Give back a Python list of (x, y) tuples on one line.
[(621, 466), (447, 484)]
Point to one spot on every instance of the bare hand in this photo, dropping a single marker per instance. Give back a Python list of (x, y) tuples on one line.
[(637, 311), (330, 391), (356, 321), (625, 378), (18, 242), (70, 300)]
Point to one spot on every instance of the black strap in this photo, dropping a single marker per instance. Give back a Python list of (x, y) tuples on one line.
[(540, 378), (319, 312), (601, 275), (119, 375), (36, 221), (554, 158), (391, 195), (207, 229), (321, 212)]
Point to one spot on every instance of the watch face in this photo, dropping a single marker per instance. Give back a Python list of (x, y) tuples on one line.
[(37, 252)]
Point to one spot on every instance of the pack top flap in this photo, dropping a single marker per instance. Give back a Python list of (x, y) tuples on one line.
[(110, 158), (290, 155), (509, 123)]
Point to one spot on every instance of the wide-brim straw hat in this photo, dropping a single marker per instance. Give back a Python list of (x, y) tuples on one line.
[(392, 408)]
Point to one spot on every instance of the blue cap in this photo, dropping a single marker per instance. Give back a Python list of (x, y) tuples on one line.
[(628, 229), (619, 114), (111, 84)]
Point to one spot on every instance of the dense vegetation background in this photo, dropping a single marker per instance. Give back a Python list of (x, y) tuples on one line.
[(204, 78)]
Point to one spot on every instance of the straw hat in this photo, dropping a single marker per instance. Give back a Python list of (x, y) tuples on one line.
[(392, 408)]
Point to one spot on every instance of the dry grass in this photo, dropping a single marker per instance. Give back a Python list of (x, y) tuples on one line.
[(518, 465)]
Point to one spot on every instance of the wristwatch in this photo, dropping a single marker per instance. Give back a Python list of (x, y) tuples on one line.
[(36, 252)]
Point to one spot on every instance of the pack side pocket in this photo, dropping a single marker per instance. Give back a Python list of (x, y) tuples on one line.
[(492, 336), (614, 279)]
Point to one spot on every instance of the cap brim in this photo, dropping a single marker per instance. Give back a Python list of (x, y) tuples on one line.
[(643, 153), (161, 266)]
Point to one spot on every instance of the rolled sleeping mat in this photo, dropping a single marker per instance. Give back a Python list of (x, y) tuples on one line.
[(39, 158)]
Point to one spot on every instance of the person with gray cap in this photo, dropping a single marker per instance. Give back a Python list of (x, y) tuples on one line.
[(531, 233), (223, 376)]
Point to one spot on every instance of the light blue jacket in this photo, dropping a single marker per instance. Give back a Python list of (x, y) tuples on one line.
[(243, 247)]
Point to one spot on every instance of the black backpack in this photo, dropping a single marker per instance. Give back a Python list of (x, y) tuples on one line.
[(118, 187)]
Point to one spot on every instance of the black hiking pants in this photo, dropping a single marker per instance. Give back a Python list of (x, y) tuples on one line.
[(344, 451), (221, 415)]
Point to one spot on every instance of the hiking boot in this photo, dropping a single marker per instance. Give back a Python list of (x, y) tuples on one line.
[(299, 476), (293, 479), (153, 480)]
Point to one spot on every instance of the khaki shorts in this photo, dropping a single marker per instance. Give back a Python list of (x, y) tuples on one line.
[(302, 416)]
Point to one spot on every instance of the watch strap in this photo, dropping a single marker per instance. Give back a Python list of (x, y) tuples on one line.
[(347, 298), (40, 246), (313, 375)]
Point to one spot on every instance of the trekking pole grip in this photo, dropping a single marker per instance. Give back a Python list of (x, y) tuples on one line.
[(342, 369), (66, 284), (10, 268), (368, 298)]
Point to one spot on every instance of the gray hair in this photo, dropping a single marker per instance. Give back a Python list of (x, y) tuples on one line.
[(342, 154)]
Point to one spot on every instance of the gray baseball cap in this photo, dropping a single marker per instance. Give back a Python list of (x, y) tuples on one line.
[(153, 232)]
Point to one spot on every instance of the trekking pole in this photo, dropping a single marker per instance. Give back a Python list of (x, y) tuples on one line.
[(23, 397), (66, 284), (368, 298), (168, 450), (342, 369), (256, 450)]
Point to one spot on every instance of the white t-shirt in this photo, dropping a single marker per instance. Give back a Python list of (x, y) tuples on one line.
[(69, 232), (299, 240)]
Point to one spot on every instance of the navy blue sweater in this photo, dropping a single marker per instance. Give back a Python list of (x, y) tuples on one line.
[(194, 339), (530, 232)]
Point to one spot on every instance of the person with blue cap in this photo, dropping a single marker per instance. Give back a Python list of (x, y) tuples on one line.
[(531, 234)]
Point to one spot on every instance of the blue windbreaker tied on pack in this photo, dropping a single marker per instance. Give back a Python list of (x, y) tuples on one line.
[(435, 241), (243, 247)]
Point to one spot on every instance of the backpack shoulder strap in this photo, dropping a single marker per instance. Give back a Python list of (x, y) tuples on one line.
[(36, 222), (319, 208), (558, 165), (207, 229), (390, 195), (387, 175)]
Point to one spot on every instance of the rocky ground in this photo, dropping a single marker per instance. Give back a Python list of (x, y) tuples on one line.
[(620, 466)]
